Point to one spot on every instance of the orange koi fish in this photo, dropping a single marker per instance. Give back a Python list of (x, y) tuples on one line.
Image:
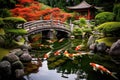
[(57, 52), (47, 55), (78, 47), (71, 56), (102, 69), (66, 53)]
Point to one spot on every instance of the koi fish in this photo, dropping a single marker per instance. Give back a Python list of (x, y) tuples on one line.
[(58, 52), (102, 69), (50, 41), (66, 53), (71, 56), (78, 47), (47, 55), (61, 40)]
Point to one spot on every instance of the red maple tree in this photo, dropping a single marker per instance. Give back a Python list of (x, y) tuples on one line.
[(33, 12)]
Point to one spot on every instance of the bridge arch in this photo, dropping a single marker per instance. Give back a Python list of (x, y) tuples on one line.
[(34, 27)]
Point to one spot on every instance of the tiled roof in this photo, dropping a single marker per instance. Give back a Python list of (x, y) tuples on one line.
[(82, 5)]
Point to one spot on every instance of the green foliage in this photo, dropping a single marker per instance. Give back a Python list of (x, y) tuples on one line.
[(14, 20), (11, 22), (82, 21), (116, 11), (110, 28), (5, 13), (77, 31), (104, 17), (17, 31)]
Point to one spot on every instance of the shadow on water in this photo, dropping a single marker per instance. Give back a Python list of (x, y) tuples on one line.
[(63, 68)]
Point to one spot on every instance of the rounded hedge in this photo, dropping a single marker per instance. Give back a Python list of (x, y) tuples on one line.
[(15, 20), (111, 28), (104, 17)]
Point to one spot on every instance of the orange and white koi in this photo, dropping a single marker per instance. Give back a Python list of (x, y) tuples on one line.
[(78, 47), (47, 55), (58, 52), (102, 69), (71, 56), (66, 53)]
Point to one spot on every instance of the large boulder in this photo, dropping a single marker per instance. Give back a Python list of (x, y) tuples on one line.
[(25, 57), (17, 65), (5, 68), (101, 47), (19, 73), (92, 47), (115, 49), (11, 58)]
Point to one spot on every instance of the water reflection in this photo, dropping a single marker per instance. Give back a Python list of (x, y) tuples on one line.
[(46, 74)]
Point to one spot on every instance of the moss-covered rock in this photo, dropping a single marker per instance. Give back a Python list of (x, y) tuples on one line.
[(107, 40), (110, 28)]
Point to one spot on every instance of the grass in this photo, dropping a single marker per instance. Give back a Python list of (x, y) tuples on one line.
[(3, 52)]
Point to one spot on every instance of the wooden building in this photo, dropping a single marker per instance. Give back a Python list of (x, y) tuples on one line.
[(84, 10)]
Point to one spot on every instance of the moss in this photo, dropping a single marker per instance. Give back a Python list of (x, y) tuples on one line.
[(3, 52), (108, 40), (110, 28)]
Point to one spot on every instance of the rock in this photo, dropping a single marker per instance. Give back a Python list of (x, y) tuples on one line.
[(19, 53), (18, 38), (5, 68), (101, 47), (17, 65), (92, 47), (11, 58), (25, 57), (19, 73), (91, 40), (115, 49)]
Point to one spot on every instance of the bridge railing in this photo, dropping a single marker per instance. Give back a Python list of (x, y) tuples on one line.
[(41, 23)]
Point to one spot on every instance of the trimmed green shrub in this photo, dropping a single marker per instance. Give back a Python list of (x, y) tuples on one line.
[(16, 20), (17, 31), (104, 17), (12, 22), (77, 31), (110, 28)]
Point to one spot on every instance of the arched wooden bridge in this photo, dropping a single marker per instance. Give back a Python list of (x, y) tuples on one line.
[(40, 25)]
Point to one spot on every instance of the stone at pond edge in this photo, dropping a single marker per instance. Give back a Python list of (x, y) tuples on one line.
[(101, 47), (115, 49), (92, 47), (5, 68), (17, 65), (25, 57), (19, 73), (11, 58), (91, 40)]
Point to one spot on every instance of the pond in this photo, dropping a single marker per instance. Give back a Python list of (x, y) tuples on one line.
[(61, 67)]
